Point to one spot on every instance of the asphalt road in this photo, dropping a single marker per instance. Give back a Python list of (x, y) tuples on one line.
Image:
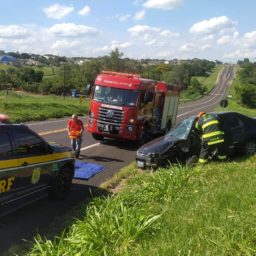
[(21, 226)]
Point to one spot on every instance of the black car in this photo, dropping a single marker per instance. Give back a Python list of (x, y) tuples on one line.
[(31, 168), (183, 142)]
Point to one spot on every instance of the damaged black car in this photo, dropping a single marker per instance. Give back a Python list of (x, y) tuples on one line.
[(182, 144)]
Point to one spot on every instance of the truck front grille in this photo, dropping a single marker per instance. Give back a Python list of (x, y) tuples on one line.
[(110, 120)]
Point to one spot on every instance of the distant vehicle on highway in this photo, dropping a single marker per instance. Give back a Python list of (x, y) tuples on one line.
[(31, 168), (183, 142)]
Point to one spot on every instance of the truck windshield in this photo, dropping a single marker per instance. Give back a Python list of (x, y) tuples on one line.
[(115, 96)]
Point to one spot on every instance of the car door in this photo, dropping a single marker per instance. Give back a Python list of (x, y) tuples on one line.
[(32, 154), (8, 166), (234, 128)]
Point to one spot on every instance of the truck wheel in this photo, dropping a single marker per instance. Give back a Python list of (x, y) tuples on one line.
[(61, 184), (250, 147), (97, 136)]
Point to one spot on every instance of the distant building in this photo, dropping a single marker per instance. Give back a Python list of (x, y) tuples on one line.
[(7, 60)]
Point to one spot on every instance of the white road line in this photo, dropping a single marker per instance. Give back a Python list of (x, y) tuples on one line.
[(93, 145)]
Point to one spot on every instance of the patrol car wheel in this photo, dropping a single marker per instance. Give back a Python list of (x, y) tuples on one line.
[(250, 147), (61, 184)]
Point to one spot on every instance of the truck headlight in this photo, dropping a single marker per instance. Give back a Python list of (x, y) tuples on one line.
[(91, 117)]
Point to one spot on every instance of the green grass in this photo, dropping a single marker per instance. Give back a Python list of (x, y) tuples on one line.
[(205, 210), (22, 107)]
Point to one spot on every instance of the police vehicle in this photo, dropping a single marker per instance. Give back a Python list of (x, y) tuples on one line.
[(31, 168)]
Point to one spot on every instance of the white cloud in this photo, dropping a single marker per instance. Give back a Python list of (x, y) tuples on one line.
[(241, 54), (13, 31), (114, 44), (85, 11), (251, 37), (188, 47), (123, 17), (140, 15), (72, 30), (152, 42), (209, 37), (228, 39), (162, 4), (206, 47), (224, 40), (168, 33), (64, 44), (58, 11), (212, 25), (139, 30), (192, 47)]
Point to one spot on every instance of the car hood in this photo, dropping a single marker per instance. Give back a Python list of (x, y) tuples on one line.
[(159, 145)]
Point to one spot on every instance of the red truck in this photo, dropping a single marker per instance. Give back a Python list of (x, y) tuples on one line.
[(129, 107)]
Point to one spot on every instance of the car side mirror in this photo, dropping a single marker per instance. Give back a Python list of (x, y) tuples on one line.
[(148, 97), (88, 89)]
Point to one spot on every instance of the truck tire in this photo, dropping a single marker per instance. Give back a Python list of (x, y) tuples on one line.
[(143, 138), (97, 136), (61, 183)]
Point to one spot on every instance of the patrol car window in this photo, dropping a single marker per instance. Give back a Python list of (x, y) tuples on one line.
[(28, 143), (5, 145)]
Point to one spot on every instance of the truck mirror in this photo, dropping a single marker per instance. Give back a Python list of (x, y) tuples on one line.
[(88, 89), (224, 103), (148, 97)]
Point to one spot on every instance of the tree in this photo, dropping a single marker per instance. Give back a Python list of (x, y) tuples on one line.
[(114, 61), (197, 87)]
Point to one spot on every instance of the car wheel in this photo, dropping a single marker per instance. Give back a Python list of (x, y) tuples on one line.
[(250, 147), (97, 136), (192, 160), (61, 183)]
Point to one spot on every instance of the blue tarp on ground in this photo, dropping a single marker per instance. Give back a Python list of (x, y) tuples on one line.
[(85, 171)]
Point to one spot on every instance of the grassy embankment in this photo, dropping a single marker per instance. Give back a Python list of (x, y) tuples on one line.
[(22, 107), (207, 82), (202, 210), (205, 210)]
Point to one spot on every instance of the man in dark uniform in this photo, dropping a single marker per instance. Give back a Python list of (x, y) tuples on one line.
[(212, 137)]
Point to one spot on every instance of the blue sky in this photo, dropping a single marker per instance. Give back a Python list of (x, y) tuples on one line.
[(222, 30)]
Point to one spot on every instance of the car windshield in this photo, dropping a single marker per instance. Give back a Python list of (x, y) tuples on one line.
[(115, 96), (182, 130)]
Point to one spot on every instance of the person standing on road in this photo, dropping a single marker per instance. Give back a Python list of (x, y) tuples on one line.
[(75, 131), (212, 137)]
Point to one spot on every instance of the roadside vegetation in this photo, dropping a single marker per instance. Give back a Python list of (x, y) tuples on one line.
[(201, 85), (22, 107), (204, 210)]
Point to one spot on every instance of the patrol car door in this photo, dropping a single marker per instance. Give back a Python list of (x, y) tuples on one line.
[(31, 152), (8, 165)]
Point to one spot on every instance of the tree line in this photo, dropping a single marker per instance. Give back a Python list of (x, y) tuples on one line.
[(66, 74), (246, 90)]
